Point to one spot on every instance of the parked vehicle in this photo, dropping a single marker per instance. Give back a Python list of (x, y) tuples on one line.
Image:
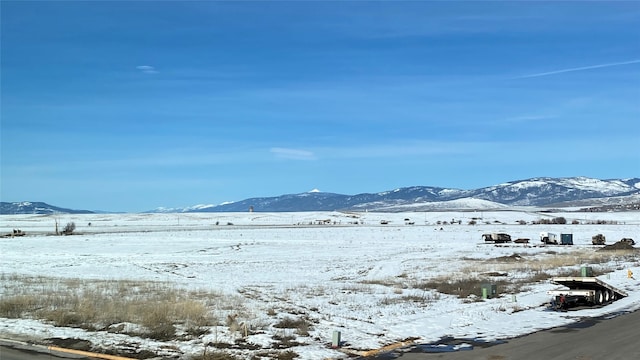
[(497, 237), (549, 238), (553, 239), (598, 239), (629, 241)]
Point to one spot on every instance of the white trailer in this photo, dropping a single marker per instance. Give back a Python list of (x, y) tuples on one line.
[(587, 291), (549, 238), (554, 239)]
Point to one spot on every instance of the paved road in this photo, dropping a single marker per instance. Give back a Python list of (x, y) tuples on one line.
[(11, 353), (612, 339)]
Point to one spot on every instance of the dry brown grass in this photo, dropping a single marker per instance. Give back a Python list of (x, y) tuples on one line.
[(421, 299), (462, 288), (15, 307), (514, 273), (215, 355), (94, 305), (389, 282)]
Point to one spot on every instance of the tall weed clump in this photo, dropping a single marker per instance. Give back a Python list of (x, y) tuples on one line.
[(158, 308)]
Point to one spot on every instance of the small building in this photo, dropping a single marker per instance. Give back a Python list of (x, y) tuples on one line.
[(566, 239)]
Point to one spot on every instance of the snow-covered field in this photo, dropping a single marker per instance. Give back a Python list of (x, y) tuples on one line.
[(344, 272)]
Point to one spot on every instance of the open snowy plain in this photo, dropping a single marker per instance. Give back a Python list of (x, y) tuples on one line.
[(370, 276)]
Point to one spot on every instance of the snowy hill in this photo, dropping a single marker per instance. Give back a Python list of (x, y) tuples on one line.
[(546, 191), (27, 207), (458, 204)]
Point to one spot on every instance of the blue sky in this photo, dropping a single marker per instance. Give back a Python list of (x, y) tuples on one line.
[(128, 106)]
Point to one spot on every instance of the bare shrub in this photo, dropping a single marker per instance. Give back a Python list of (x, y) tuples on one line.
[(303, 329), (194, 313), (284, 341), (158, 321), (69, 228), (287, 355), (560, 220), (291, 323), (602, 222), (302, 325), (64, 318), (557, 220), (215, 355)]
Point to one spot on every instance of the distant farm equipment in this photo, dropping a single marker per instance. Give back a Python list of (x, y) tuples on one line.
[(583, 291), (598, 239), (555, 239), (628, 241), (16, 232), (496, 237)]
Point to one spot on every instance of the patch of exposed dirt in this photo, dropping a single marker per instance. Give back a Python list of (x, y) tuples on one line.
[(620, 245), (495, 274), (132, 353), (86, 345), (70, 343), (511, 258)]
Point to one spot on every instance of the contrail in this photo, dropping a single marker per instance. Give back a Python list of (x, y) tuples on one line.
[(579, 69)]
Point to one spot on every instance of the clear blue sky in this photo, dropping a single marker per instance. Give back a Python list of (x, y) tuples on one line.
[(128, 106)]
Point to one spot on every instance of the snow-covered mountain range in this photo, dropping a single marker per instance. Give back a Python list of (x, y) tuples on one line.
[(531, 192), (540, 192)]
